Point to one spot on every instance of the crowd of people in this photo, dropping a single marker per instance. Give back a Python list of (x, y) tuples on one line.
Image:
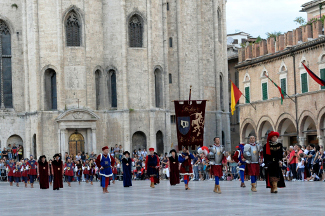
[(299, 163)]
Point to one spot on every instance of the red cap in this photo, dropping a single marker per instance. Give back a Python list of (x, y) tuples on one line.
[(237, 146), (151, 149), (105, 147), (271, 134)]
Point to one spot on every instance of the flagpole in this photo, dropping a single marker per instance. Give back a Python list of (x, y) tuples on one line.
[(249, 102), (189, 98), (281, 89)]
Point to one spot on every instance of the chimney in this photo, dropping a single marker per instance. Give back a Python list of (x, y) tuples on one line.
[(277, 43), (241, 55), (256, 50), (288, 40), (248, 52), (270, 45), (263, 47), (317, 29), (280, 41), (306, 33), (298, 35)]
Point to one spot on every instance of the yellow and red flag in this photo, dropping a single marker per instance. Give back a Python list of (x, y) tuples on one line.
[(235, 95)]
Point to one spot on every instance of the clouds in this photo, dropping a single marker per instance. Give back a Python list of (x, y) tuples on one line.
[(257, 17)]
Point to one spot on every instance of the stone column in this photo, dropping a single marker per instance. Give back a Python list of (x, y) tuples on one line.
[(93, 138), (152, 134), (89, 141), (321, 140), (302, 140), (63, 144)]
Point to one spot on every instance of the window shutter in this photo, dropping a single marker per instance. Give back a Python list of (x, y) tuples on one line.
[(264, 91), (283, 85), (247, 95), (322, 76), (304, 84)]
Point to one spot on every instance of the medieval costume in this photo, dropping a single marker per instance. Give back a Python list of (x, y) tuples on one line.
[(68, 168), (43, 172), (173, 168), (251, 154), (85, 171), (57, 171), (17, 172), (32, 170), (238, 158), (24, 173), (186, 166), (216, 157), (104, 162), (157, 177), (273, 154), (10, 170), (91, 170), (78, 170), (152, 165), (126, 169)]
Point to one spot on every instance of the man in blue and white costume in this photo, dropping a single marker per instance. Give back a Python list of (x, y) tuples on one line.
[(239, 158), (104, 162)]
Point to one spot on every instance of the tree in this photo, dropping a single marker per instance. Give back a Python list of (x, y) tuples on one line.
[(299, 20), (273, 34), (258, 39)]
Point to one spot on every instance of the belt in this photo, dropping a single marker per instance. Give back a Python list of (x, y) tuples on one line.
[(105, 167)]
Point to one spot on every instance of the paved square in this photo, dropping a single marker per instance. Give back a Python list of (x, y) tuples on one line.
[(298, 198)]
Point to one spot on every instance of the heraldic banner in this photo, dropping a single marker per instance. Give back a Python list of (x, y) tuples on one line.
[(190, 122)]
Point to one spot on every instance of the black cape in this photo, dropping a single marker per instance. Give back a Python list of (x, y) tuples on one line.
[(127, 173)]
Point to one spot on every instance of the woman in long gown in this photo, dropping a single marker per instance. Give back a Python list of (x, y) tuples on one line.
[(173, 168), (126, 169), (43, 172)]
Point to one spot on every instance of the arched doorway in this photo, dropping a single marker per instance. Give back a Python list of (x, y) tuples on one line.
[(288, 132), (248, 131), (309, 131), (264, 130), (16, 141), (139, 140), (76, 143), (160, 142)]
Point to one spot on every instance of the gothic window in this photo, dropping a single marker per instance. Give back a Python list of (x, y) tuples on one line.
[(219, 26), (135, 31), (221, 93), (50, 90), (112, 74), (158, 88), (5, 66), (73, 30), (97, 86)]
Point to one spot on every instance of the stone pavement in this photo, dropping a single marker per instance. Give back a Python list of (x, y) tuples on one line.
[(298, 198)]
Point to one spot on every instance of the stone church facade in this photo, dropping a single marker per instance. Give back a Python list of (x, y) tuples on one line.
[(77, 75)]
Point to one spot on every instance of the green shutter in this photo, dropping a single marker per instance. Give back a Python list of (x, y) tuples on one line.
[(322, 76), (284, 85), (248, 100), (304, 84), (264, 91)]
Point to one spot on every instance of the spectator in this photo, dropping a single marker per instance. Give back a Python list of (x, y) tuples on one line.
[(4, 152), (20, 152), (78, 156), (14, 151), (145, 153), (139, 152), (301, 167), (120, 152), (83, 157), (292, 162), (9, 151), (116, 151)]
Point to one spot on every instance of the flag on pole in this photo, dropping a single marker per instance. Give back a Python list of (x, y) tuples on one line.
[(235, 95), (282, 93), (314, 76)]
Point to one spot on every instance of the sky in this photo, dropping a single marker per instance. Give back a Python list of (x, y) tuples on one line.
[(257, 17)]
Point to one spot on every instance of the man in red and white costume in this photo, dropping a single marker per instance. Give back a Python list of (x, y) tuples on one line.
[(32, 165), (152, 166), (68, 169), (104, 162)]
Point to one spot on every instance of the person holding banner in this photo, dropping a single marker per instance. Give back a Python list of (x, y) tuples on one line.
[(152, 166), (186, 167), (216, 156)]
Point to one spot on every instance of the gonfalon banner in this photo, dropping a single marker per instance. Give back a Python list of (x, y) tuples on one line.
[(190, 122)]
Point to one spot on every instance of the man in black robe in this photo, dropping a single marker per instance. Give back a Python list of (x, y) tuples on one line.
[(126, 169), (273, 154), (57, 171), (173, 168)]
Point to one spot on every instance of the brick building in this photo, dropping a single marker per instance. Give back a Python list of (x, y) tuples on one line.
[(77, 74), (301, 121)]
